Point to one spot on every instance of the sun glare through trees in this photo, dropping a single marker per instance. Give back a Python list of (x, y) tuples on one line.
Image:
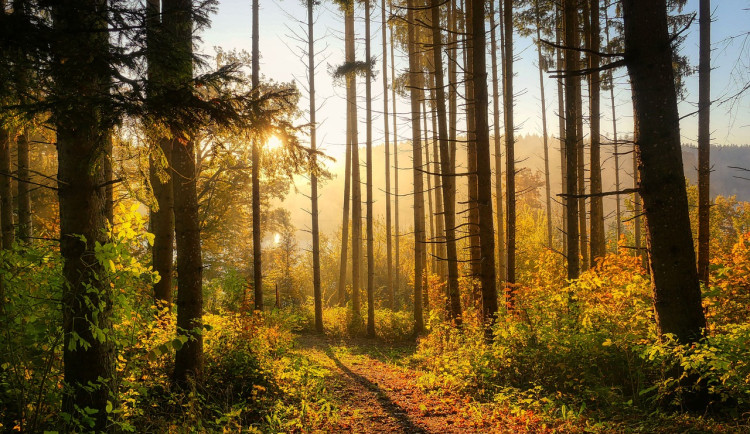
[(374, 216)]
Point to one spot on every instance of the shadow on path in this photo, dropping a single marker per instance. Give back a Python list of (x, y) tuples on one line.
[(395, 411)]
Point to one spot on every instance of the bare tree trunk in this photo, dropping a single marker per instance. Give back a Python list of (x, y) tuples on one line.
[(448, 184), (452, 88), (24, 197), (441, 269), (704, 140), (317, 294), (6, 190), (572, 89), (189, 358), (351, 96), (430, 210), (618, 208), (415, 86), (581, 172), (598, 238), (257, 235), (475, 253), (677, 298), (510, 163), (345, 223), (484, 171), (561, 130), (386, 137), (88, 371), (544, 127), (496, 138), (397, 277), (370, 217)]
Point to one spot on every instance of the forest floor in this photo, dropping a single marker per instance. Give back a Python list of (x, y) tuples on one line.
[(376, 390)]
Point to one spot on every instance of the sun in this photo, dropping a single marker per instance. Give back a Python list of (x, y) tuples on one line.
[(276, 238), (273, 142)]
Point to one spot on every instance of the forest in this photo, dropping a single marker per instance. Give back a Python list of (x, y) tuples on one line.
[(187, 247)]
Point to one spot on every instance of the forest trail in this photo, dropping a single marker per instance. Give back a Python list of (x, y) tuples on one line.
[(377, 395)]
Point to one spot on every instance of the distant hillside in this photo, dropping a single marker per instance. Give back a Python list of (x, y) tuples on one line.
[(530, 156)]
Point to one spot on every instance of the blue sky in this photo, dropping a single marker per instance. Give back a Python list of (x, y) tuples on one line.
[(282, 61)]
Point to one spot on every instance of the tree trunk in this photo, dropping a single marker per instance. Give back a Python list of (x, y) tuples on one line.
[(430, 210), (386, 137), (88, 362), (351, 97), (484, 171), (24, 197), (6, 190), (510, 163), (370, 217), (544, 127), (561, 130), (572, 89), (618, 208), (496, 138), (415, 85), (581, 172), (257, 235), (448, 184), (397, 277), (344, 263), (317, 294), (442, 270), (704, 140), (598, 239), (677, 297), (189, 358)]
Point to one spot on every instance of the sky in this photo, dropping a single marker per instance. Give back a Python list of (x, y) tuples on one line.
[(283, 59)]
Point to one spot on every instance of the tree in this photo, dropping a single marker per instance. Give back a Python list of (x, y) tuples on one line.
[(704, 140), (386, 137), (317, 295), (177, 20), (598, 240), (160, 161), (572, 84), (257, 235), (415, 86), (82, 83), (484, 172), (475, 254), (510, 163), (370, 217), (648, 56), (397, 277)]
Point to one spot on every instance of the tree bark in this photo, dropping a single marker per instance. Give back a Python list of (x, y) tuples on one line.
[(484, 171), (386, 137), (81, 124), (618, 207), (351, 97), (544, 127), (496, 138), (188, 359), (598, 239), (370, 217), (24, 197), (317, 294), (415, 85), (572, 89), (648, 54), (6, 190), (255, 173), (397, 280), (561, 129), (704, 140)]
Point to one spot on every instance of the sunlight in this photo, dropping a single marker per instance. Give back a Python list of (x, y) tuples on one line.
[(274, 142), (276, 238)]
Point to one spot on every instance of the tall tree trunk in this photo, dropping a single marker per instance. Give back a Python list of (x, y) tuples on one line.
[(471, 157), (452, 53), (484, 171), (561, 129), (572, 89), (162, 218), (257, 235), (415, 85), (397, 248), (430, 210), (581, 172), (496, 138), (704, 140), (386, 137), (344, 263), (6, 190), (24, 197), (598, 239), (188, 359), (510, 163), (544, 126), (82, 131), (677, 298), (370, 216), (448, 184), (317, 294), (616, 150), (351, 97), (441, 269)]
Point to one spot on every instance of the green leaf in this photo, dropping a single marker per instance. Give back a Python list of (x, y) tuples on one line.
[(108, 408)]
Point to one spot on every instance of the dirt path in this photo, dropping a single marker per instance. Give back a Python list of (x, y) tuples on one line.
[(376, 396)]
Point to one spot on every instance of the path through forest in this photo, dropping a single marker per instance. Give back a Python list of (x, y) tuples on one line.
[(376, 394)]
